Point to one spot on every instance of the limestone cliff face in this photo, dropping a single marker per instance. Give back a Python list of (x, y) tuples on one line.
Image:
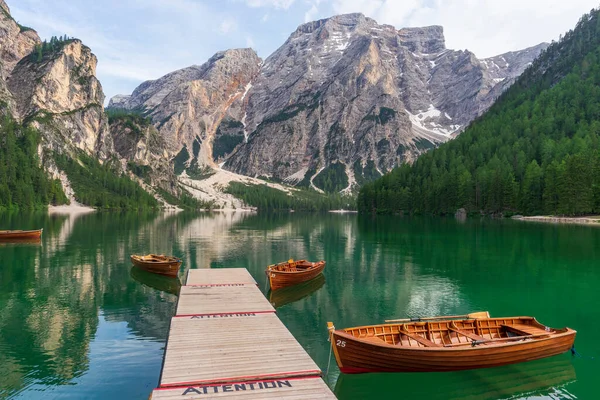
[(187, 106), (138, 144), (15, 41), (343, 96), (61, 96), (348, 93)]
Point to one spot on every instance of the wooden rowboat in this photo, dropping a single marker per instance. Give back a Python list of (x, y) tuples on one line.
[(20, 235), (158, 264), (446, 345), (293, 272)]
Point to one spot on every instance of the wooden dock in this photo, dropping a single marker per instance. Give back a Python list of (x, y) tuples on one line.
[(225, 341)]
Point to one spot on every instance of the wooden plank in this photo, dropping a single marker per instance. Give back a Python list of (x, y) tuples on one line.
[(297, 389), (219, 276), (220, 349), (420, 339), (466, 334), (196, 300)]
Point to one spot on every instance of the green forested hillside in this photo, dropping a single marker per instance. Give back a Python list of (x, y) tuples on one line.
[(101, 185), (23, 183), (265, 198), (537, 150)]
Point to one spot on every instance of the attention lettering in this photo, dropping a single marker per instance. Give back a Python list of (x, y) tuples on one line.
[(236, 387)]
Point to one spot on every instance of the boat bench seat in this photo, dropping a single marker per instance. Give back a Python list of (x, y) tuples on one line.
[(466, 333), (420, 339), (524, 330)]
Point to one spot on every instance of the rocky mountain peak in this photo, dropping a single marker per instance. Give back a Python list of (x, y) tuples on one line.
[(344, 99), (16, 41), (427, 40), (58, 92), (343, 22), (225, 63), (4, 6), (44, 86), (150, 94)]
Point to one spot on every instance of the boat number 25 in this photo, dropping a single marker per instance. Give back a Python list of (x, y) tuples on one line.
[(340, 343)]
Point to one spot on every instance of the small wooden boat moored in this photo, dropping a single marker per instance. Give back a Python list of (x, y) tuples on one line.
[(293, 272), (20, 235), (158, 264), (446, 345)]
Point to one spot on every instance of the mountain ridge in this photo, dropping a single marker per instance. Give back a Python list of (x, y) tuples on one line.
[(341, 93)]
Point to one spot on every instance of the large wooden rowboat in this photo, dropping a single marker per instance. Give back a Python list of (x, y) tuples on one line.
[(446, 345), (158, 264), (293, 272), (20, 235)]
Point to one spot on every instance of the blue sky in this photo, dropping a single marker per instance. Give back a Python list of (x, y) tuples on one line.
[(137, 40)]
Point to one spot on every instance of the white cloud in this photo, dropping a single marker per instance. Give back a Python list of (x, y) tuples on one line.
[(310, 14), (228, 25), (281, 4), (250, 42)]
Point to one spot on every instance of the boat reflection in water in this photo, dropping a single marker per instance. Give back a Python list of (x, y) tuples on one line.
[(26, 241), (548, 377), (290, 294), (163, 283)]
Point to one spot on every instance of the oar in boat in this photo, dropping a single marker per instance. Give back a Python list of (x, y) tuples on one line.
[(494, 340), (475, 315)]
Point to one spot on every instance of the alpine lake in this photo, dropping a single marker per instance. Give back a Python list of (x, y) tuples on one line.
[(77, 321)]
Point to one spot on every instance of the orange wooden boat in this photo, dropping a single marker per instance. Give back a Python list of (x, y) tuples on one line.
[(293, 272), (446, 345), (158, 264), (20, 235)]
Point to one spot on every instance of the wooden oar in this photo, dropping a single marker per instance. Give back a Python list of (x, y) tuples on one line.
[(475, 315), (476, 342)]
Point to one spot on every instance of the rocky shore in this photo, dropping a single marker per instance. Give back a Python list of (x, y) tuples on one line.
[(589, 220)]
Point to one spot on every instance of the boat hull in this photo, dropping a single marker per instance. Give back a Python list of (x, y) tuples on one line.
[(355, 355), (281, 279), (170, 268), (20, 235)]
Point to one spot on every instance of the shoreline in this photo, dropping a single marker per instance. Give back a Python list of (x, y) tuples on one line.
[(595, 220)]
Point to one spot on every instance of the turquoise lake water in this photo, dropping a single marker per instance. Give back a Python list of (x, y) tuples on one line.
[(76, 321)]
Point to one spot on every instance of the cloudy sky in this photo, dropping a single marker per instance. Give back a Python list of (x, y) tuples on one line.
[(137, 40)]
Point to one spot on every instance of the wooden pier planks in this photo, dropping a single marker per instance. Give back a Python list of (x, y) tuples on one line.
[(227, 342), (217, 349), (219, 276), (236, 298), (294, 388)]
